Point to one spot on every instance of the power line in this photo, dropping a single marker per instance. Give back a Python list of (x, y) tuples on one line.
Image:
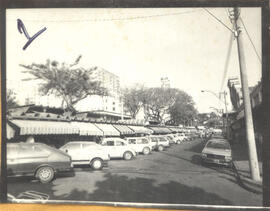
[(117, 19), (218, 20), (251, 40), (227, 62)]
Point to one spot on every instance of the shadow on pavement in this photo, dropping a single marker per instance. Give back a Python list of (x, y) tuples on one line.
[(123, 189)]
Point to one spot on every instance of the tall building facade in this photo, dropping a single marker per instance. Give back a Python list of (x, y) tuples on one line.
[(109, 103)]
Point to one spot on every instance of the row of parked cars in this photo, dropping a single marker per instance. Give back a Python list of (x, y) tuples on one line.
[(43, 161)]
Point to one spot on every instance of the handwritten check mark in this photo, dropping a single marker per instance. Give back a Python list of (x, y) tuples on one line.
[(22, 29)]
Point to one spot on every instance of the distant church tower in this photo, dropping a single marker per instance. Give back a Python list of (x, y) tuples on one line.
[(165, 82)]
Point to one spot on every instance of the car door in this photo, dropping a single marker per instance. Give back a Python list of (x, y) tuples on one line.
[(74, 150), (30, 156), (12, 159), (111, 148), (120, 148), (132, 142)]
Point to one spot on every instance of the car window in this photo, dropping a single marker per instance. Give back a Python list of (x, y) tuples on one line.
[(132, 141), (144, 141), (169, 137), (119, 143), (86, 145), (41, 151), (154, 139), (218, 145), (109, 143), (162, 139), (73, 146)]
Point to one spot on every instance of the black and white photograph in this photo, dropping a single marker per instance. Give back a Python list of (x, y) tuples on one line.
[(134, 105)]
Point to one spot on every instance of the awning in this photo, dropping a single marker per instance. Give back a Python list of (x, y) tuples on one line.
[(176, 129), (160, 130), (87, 129), (36, 127), (124, 130), (140, 129), (10, 131), (108, 129)]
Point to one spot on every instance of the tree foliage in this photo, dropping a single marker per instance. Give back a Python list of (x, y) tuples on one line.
[(133, 99), (72, 84), (11, 99), (162, 105)]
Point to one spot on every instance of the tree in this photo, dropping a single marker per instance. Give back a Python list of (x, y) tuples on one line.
[(183, 110), (133, 99), (68, 82), (157, 102), (11, 99)]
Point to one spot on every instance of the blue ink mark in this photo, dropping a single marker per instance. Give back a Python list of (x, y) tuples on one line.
[(22, 29)]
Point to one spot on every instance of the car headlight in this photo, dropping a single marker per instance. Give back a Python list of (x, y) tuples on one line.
[(204, 155)]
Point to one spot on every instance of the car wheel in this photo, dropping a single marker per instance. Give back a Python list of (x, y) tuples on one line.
[(160, 148), (45, 174), (127, 155), (97, 164), (146, 150)]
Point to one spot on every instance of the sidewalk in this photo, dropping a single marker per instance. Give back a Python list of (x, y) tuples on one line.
[(242, 170)]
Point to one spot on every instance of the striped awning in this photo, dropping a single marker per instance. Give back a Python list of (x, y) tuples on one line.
[(124, 130), (160, 130), (87, 129), (10, 131), (140, 129), (37, 127), (108, 129)]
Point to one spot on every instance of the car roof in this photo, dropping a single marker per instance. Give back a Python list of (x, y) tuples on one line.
[(81, 142)]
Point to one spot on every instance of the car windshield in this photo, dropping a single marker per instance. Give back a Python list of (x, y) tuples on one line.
[(218, 145)]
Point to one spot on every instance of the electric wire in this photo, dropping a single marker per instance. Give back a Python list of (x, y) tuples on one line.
[(218, 20), (254, 48), (227, 62), (117, 19)]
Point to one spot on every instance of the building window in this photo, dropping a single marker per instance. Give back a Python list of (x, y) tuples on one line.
[(113, 108)]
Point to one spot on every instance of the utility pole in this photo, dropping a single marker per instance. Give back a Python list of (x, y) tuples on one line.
[(253, 159)]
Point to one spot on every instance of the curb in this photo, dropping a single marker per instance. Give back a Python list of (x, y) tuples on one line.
[(247, 183)]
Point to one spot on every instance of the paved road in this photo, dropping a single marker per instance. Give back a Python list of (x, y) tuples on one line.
[(172, 176)]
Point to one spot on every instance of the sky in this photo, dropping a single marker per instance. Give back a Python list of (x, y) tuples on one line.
[(187, 45)]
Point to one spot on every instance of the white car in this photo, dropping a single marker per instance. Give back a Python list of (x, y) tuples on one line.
[(118, 148), (217, 151), (159, 141), (181, 137), (140, 144), (85, 152)]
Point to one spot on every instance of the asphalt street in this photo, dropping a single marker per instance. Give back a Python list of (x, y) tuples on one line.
[(173, 176)]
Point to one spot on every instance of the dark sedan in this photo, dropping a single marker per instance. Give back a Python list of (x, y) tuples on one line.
[(36, 159)]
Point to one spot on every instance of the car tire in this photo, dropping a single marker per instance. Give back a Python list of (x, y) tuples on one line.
[(146, 150), (97, 164), (127, 155), (45, 174), (160, 148)]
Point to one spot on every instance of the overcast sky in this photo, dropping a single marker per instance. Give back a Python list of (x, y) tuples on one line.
[(187, 45)]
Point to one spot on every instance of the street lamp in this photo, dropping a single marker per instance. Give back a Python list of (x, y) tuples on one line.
[(225, 103)]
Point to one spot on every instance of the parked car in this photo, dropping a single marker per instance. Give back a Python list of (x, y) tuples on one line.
[(171, 138), (181, 137), (160, 142), (87, 153), (118, 148), (217, 151), (36, 159), (140, 144)]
